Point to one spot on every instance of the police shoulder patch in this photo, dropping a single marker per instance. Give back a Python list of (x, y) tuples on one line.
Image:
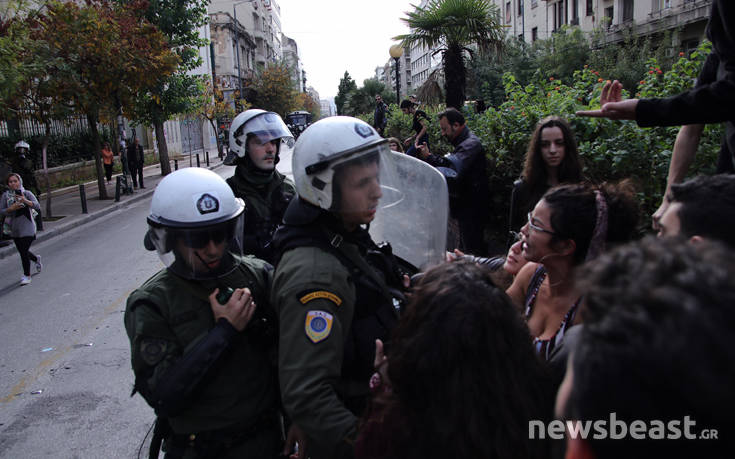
[(318, 325), (309, 295)]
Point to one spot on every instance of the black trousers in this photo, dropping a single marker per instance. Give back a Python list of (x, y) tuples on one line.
[(136, 171), (23, 244), (108, 171)]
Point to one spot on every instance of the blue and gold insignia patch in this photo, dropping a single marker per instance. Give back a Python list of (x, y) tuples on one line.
[(309, 295), (318, 324)]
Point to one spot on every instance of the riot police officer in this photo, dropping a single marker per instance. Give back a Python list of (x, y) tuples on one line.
[(23, 165), (256, 140), (205, 362), (334, 289)]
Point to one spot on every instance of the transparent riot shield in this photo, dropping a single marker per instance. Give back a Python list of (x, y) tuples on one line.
[(413, 211), (285, 152)]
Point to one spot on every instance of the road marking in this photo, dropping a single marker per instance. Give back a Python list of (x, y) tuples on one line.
[(25, 381)]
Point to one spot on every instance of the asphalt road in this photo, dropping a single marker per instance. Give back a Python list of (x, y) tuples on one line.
[(64, 356)]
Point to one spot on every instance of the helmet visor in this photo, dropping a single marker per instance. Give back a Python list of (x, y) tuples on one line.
[(200, 253), (266, 127), (363, 183)]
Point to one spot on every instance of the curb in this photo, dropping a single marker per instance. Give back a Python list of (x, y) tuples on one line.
[(84, 219)]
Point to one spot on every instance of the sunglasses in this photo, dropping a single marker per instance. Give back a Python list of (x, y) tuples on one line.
[(200, 239)]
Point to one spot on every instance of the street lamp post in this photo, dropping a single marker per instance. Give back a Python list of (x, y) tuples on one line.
[(396, 51)]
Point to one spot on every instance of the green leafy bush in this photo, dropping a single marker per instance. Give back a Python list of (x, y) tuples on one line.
[(62, 149), (610, 150)]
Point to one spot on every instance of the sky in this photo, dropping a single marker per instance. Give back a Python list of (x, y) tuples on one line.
[(338, 35)]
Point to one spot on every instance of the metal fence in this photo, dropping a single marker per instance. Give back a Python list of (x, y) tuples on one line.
[(31, 127)]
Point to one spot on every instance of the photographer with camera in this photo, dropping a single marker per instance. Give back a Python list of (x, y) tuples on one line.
[(19, 207)]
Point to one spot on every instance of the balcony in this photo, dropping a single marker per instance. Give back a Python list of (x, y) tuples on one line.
[(665, 19)]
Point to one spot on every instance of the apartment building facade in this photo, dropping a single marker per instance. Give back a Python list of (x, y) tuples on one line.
[(531, 20), (293, 60)]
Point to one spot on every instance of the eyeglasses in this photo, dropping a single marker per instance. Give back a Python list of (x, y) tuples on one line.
[(537, 228)]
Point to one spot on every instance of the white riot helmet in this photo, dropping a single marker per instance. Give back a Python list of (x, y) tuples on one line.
[(22, 145), (267, 126), (196, 224), (325, 145)]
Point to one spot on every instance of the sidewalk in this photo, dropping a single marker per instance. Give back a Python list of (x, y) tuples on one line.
[(66, 203)]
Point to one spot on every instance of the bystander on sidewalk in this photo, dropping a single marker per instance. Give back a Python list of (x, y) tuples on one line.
[(67, 205)]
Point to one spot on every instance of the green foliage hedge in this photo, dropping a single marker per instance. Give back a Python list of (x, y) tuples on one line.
[(62, 149), (610, 150)]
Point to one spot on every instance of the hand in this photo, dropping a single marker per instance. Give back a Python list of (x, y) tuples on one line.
[(15, 206), (611, 104), (380, 358), (239, 308), (381, 364), (656, 217), (296, 438), (454, 256), (423, 150)]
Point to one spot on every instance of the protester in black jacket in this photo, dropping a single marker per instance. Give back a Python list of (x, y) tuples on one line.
[(135, 162), (466, 172), (379, 117)]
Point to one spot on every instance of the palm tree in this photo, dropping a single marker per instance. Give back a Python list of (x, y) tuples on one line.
[(452, 26)]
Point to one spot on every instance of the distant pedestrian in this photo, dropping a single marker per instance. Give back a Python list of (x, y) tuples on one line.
[(107, 159), (465, 169), (380, 119), (23, 165), (420, 124), (19, 206), (136, 161)]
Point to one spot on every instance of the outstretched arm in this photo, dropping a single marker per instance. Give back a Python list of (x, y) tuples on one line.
[(612, 105)]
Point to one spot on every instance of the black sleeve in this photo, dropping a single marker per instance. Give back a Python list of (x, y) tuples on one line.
[(181, 379), (713, 99)]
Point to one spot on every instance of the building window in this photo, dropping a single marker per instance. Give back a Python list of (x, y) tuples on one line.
[(627, 10), (575, 8), (534, 3), (609, 14), (560, 18), (590, 9), (534, 34), (520, 8), (507, 13)]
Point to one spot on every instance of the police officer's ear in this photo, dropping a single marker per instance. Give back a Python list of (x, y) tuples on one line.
[(147, 242), (150, 236)]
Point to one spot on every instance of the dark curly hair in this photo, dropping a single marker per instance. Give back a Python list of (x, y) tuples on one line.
[(466, 380), (574, 213), (534, 169), (707, 207), (657, 344)]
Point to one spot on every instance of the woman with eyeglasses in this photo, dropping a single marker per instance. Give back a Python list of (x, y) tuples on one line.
[(571, 224), (505, 268), (551, 159), (460, 378)]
